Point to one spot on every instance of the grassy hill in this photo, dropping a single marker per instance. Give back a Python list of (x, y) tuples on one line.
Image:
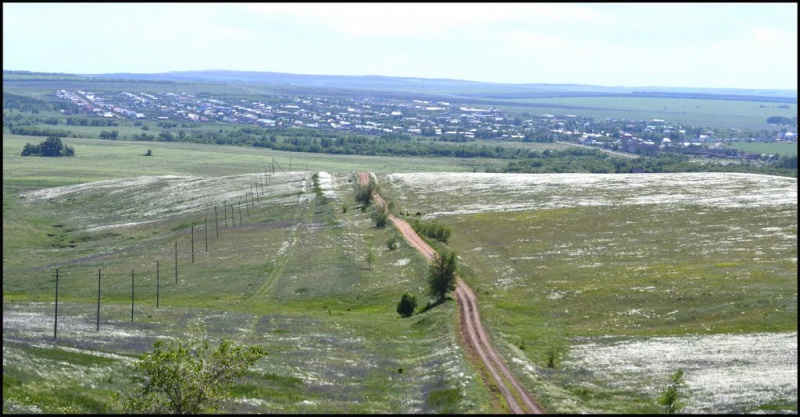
[(580, 264)]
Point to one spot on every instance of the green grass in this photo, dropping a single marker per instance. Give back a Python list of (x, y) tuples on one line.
[(294, 277), (771, 148), (97, 160), (550, 277), (695, 112)]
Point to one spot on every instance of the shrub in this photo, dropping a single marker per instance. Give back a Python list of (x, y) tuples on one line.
[(672, 396), (432, 230), (186, 378), (380, 217), (442, 275), (393, 242), (407, 305), (364, 194), (52, 146)]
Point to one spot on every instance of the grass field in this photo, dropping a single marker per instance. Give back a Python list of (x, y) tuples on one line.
[(694, 112), (607, 270), (565, 261), (291, 275), (771, 148), (97, 160)]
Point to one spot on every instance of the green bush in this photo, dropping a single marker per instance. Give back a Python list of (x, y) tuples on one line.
[(189, 378), (432, 230), (52, 146), (393, 242), (672, 397), (407, 305), (380, 217), (442, 275)]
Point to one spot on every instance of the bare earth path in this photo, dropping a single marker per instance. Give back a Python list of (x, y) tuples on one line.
[(474, 337)]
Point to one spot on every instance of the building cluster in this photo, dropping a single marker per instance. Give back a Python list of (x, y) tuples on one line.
[(380, 116)]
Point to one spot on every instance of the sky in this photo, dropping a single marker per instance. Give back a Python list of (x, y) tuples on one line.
[(697, 45)]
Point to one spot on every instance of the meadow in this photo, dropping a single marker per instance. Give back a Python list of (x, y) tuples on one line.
[(629, 277), (770, 148), (675, 111), (608, 270)]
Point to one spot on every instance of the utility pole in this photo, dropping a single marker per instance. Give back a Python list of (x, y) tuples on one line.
[(131, 295), (55, 326), (98, 300)]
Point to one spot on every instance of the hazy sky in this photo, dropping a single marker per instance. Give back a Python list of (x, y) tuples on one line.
[(716, 45)]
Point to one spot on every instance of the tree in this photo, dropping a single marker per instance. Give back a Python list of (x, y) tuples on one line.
[(380, 217), (442, 275), (370, 256), (778, 120), (673, 395), (407, 305), (52, 146), (364, 194), (188, 378), (31, 149), (393, 242)]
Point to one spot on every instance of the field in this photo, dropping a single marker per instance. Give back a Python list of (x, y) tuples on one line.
[(628, 277), (675, 111), (772, 148)]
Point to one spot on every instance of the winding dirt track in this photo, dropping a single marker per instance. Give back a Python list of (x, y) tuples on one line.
[(472, 333)]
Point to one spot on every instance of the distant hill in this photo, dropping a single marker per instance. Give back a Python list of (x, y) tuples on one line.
[(444, 87)]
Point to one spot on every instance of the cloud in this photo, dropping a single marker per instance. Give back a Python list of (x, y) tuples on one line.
[(424, 19)]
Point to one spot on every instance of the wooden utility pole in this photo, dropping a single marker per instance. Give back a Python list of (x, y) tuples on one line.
[(55, 326), (131, 295), (98, 300), (158, 283)]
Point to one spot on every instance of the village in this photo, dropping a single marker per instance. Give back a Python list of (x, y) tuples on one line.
[(436, 120)]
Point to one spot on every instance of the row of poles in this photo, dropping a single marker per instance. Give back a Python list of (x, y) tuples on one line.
[(248, 203)]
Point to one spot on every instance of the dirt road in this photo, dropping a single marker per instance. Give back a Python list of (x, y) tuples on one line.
[(493, 370)]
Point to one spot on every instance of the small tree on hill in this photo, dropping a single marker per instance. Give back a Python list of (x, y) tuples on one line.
[(364, 194), (380, 217), (442, 275), (393, 242), (370, 256), (407, 305), (672, 397), (188, 378)]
